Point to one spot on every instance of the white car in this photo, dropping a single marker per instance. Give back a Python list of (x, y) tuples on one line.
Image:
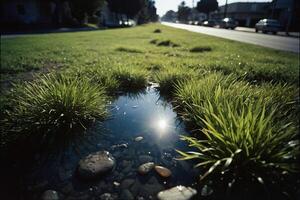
[(268, 25)]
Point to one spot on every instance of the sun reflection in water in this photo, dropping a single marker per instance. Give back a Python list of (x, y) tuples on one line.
[(161, 126)]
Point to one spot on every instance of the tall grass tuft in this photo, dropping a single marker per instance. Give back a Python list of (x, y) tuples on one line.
[(130, 79), (243, 129), (55, 101), (169, 78)]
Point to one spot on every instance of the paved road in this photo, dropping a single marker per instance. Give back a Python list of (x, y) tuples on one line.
[(266, 40)]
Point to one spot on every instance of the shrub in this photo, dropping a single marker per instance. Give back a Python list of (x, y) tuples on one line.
[(53, 102), (241, 133)]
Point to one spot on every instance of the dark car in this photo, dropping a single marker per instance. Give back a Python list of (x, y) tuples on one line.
[(228, 23), (210, 23), (268, 25)]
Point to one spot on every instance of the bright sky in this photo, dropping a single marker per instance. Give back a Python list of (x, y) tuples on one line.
[(164, 5)]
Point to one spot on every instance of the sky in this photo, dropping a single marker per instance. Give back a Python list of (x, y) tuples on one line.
[(164, 5)]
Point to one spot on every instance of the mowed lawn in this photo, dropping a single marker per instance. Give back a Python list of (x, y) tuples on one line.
[(132, 48), (242, 99)]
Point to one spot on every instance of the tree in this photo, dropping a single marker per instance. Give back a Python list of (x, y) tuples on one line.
[(207, 6), (170, 16), (183, 12), (144, 10), (148, 12), (83, 8), (128, 7)]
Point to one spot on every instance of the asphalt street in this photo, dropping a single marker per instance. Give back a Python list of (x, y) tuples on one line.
[(267, 40)]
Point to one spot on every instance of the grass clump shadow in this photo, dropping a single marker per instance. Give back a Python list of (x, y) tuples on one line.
[(128, 50), (200, 49), (246, 130), (157, 31), (167, 43), (154, 41), (52, 103)]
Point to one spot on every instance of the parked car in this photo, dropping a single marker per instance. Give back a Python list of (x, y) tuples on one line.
[(210, 23), (194, 22), (268, 25), (228, 23)]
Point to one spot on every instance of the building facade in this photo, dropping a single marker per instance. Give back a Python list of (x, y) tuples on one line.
[(287, 12), (246, 13)]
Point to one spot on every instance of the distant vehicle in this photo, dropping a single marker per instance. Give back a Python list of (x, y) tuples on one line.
[(127, 23), (210, 23), (194, 22), (268, 25), (228, 23)]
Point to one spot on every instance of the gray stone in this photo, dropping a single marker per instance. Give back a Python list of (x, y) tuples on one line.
[(106, 196), (145, 168), (117, 184), (119, 146), (50, 195), (127, 183), (153, 180), (95, 164), (139, 138), (135, 188), (206, 190), (68, 188), (177, 193), (150, 189), (145, 158), (126, 194)]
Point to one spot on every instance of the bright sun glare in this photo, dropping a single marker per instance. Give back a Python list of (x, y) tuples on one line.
[(162, 124)]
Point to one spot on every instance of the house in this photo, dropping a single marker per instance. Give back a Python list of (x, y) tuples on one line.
[(246, 13)]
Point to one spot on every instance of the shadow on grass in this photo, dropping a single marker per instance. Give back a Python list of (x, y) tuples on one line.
[(128, 50), (200, 49)]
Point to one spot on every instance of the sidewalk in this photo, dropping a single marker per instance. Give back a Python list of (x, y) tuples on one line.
[(246, 29)]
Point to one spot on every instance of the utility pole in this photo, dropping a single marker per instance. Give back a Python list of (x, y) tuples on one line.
[(225, 9)]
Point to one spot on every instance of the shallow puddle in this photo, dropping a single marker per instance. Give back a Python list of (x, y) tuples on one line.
[(144, 115)]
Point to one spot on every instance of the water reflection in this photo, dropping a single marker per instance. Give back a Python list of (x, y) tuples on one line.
[(148, 115), (144, 115)]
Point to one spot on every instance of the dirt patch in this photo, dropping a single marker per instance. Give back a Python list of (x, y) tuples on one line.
[(7, 80)]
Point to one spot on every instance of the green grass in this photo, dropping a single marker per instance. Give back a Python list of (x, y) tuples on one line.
[(244, 128), (243, 99), (52, 103)]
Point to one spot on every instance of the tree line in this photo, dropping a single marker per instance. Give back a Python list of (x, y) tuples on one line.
[(183, 13), (142, 10)]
